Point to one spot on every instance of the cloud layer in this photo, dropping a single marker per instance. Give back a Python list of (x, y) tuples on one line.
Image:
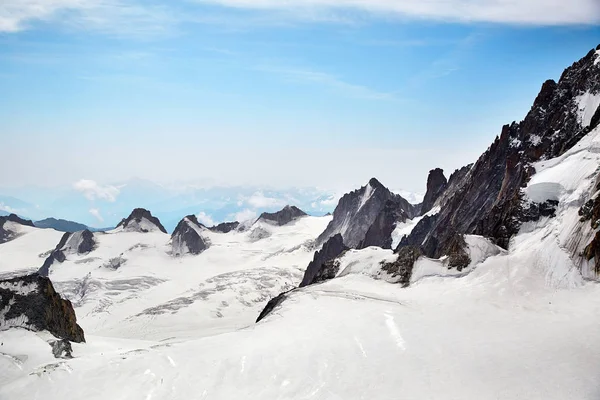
[(135, 17)]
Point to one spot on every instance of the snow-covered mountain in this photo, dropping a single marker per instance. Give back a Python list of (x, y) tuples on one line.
[(487, 290)]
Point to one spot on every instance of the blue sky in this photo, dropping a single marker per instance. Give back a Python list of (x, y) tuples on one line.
[(306, 92)]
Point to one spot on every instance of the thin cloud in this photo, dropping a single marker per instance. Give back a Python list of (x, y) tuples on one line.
[(205, 219), (141, 18), (96, 213), (331, 81)]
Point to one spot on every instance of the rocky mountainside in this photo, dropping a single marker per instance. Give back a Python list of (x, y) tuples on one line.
[(367, 216), (225, 227), (7, 232), (31, 302), (81, 242), (436, 184), (187, 237), (487, 198), (60, 225), (141, 220), (284, 216)]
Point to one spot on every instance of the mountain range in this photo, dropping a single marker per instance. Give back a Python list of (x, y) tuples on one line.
[(487, 289)]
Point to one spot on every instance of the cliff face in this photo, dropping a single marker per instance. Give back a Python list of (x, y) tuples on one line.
[(187, 237), (31, 302), (486, 198), (363, 217)]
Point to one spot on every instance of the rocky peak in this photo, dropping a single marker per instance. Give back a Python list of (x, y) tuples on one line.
[(487, 199), (225, 227), (31, 302), (357, 211), (436, 183), (141, 220), (81, 242), (284, 216), (332, 248), (187, 237)]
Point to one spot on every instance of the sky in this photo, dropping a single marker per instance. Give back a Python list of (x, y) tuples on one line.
[(315, 93)]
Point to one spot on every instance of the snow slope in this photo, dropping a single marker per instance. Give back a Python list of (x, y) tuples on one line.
[(131, 286), (27, 252)]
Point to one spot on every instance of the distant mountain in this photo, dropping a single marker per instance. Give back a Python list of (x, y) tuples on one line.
[(60, 225)]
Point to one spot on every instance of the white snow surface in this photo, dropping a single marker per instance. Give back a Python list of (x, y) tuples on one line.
[(587, 104), (517, 324)]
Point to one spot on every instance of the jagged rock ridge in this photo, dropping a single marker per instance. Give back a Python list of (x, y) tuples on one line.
[(187, 238), (225, 227), (31, 302), (436, 183), (487, 199), (141, 220), (284, 216), (371, 205), (330, 250)]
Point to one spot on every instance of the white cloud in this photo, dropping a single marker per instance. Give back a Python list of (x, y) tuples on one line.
[(331, 201), (92, 190), (105, 16), (244, 215), (96, 213), (9, 209), (205, 219), (536, 12), (137, 17), (259, 200)]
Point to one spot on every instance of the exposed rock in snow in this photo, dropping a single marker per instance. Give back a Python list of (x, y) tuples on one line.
[(330, 250), (258, 233), (31, 302), (359, 210), (9, 227), (283, 216), (225, 227), (141, 220), (62, 348), (436, 184), (71, 243), (271, 305), (187, 237)]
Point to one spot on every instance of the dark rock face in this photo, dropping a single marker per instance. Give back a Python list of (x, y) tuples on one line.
[(592, 250), (436, 183), (330, 250), (135, 221), (457, 251), (403, 266), (6, 234), (357, 211), (32, 303), (380, 231), (283, 216), (271, 305), (225, 227), (78, 242), (186, 239), (60, 225), (487, 199), (420, 236)]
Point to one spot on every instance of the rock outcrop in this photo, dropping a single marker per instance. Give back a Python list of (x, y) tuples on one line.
[(359, 210), (31, 302), (436, 184), (403, 266), (272, 304), (330, 250), (284, 216), (225, 227), (187, 237), (141, 220), (6, 233), (82, 242), (486, 199)]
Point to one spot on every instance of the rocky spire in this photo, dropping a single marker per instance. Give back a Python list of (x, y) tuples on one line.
[(141, 220)]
